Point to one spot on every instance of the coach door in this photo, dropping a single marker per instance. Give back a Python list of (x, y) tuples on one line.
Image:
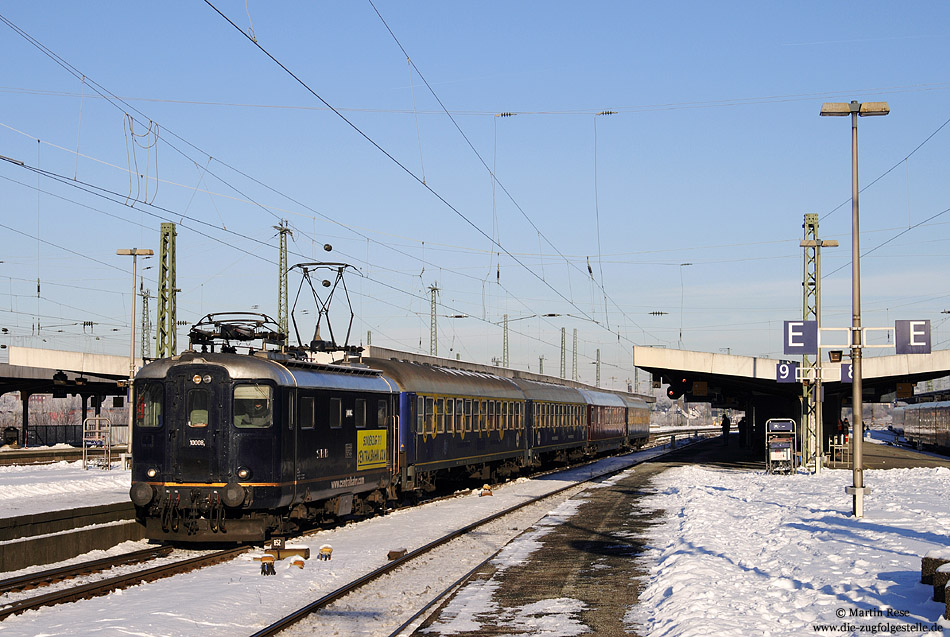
[(196, 436)]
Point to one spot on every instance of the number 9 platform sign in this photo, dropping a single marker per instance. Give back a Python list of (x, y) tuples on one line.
[(786, 372)]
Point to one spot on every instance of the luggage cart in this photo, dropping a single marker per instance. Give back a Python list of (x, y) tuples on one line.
[(97, 443), (780, 450)]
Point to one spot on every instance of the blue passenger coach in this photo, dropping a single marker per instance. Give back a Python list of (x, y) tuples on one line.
[(464, 423)]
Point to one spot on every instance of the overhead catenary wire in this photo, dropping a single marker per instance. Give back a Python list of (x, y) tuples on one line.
[(435, 259), (402, 166), (582, 112), (165, 214), (504, 189)]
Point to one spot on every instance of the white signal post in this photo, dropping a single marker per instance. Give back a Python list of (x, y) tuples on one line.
[(134, 253)]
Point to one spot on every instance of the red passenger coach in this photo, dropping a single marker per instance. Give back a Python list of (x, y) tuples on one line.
[(606, 420)]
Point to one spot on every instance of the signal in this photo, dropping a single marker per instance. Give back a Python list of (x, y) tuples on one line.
[(678, 387)]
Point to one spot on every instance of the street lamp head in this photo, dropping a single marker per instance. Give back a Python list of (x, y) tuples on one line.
[(864, 109), (835, 109), (874, 108)]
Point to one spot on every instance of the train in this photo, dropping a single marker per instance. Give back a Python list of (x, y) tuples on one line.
[(924, 424), (242, 447)]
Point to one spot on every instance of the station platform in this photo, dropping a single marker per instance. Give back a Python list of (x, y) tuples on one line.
[(586, 566)]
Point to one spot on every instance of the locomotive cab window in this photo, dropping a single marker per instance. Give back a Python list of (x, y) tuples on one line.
[(253, 406), (198, 402), (382, 413), (360, 413), (148, 406)]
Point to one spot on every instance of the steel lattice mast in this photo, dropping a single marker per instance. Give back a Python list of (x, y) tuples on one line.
[(166, 342), (282, 305)]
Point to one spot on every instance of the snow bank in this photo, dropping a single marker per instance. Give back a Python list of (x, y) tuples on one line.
[(743, 553)]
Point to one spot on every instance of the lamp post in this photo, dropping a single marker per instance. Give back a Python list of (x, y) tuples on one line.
[(855, 109), (134, 253)]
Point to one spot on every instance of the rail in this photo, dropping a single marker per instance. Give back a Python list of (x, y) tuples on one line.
[(44, 578), (326, 600), (106, 586)]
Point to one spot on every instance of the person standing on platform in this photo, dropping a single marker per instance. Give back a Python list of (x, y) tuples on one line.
[(726, 424), (743, 432)]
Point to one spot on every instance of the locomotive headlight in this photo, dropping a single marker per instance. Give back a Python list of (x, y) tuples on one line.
[(152, 472), (196, 379), (243, 473), (206, 378)]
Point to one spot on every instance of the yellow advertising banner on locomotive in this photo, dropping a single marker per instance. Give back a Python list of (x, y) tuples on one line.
[(371, 449)]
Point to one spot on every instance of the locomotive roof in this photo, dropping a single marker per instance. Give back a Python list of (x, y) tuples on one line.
[(435, 379), (284, 371)]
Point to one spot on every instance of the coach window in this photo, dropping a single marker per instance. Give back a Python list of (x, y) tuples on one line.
[(253, 406), (382, 413), (148, 405), (449, 415), (360, 413), (430, 418), (440, 415), (306, 412), (420, 414), (336, 413), (468, 415), (459, 415)]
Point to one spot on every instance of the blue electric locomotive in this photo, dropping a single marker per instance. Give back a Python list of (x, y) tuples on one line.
[(231, 446)]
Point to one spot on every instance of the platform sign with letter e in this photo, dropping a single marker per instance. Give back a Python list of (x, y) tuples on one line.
[(912, 337), (801, 338)]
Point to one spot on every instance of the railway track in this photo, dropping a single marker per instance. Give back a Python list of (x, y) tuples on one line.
[(47, 577), (104, 586), (504, 531)]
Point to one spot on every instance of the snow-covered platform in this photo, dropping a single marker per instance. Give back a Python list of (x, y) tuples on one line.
[(711, 544), (53, 512)]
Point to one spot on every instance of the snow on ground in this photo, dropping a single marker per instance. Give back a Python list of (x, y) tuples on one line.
[(747, 553), (737, 553), (233, 599), (31, 489)]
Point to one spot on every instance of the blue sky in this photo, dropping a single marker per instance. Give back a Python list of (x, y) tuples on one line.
[(714, 153)]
